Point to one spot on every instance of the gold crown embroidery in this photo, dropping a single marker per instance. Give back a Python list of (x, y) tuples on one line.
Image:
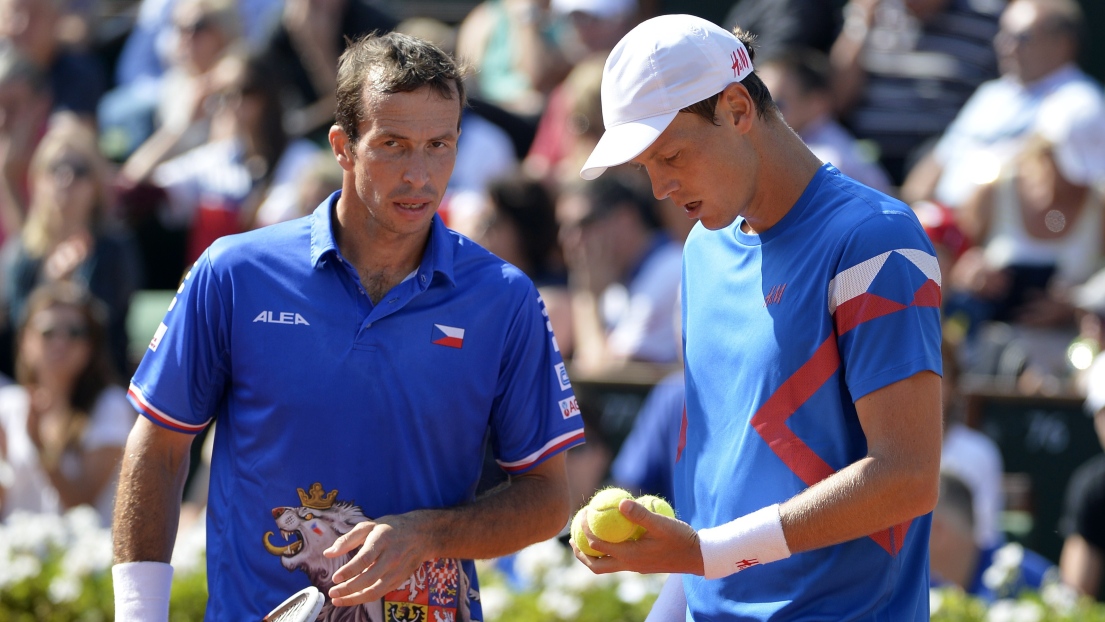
[(317, 500)]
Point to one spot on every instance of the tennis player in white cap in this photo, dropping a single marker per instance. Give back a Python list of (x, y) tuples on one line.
[(810, 446)]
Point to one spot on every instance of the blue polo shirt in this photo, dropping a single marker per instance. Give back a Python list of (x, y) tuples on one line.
[(332, 410)]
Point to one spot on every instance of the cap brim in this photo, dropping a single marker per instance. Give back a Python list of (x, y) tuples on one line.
[(622, 143)]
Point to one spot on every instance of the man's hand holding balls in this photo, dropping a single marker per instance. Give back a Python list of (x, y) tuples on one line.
[(614, 532)]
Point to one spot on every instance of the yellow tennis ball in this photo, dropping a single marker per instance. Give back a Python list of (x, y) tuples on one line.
[(606, 522), (656, 505), (581, 539)]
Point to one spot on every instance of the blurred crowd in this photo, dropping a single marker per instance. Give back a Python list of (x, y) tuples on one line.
[(133, 133)]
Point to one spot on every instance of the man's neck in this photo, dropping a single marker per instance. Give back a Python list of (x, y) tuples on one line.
[(786, 167), (382, 258)]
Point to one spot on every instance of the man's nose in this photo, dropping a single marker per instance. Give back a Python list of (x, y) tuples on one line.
[(417, 171), (662, 187)]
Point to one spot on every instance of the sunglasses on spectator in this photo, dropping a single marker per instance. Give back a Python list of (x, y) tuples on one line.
[(72, 332), (1019, 38), (199, 25)]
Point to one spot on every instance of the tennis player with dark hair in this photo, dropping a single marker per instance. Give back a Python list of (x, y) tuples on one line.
[(810, 449), (358, 361)]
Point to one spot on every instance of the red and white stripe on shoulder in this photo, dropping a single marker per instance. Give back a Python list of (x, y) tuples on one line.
[(560, 442), (159, 416), (857, 280), (851, 303)]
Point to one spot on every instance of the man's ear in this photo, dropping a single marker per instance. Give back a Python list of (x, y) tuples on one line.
[(735, 107), (342, 147)]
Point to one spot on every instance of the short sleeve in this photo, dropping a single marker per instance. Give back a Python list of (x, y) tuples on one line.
[(885, 300), (182, 376), (535, 414), (111, 421)]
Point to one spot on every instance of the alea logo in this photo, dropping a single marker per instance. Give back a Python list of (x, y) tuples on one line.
[(284, 317)]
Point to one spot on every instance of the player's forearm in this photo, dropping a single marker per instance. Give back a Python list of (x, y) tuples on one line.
[(530, 509), (865, 497), (147, 504)]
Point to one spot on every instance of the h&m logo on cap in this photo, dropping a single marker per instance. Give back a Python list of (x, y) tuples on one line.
[(740, 61), (450, 336)]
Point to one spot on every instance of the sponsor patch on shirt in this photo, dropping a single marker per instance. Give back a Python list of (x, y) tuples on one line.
[(569, 407), (157, 336), (562, 376)]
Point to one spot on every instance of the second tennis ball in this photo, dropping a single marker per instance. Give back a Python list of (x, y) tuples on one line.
[(605, 521), (656, 505)]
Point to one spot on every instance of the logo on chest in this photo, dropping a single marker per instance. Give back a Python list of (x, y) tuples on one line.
[(449, 336), (281, 317), (775, 295)]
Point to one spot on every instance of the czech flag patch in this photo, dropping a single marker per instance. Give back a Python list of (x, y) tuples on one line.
[(450, 336)]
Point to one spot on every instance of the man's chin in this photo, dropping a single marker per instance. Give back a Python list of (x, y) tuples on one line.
[(714, 223)]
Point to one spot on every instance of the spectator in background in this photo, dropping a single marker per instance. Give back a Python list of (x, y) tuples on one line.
[(955, 558), (166, 60), (1040, 229), (70, 236), (570, 127), (306, 45), (149, 46), (593, 26), (25, 104), (316, 180), (517, 222), (904, 68), (511, 46), (571, 124), (519, 225), (623, 273), (783, 24), (1082, 562), (66, 422), (77, 79), (800, 84), (1037, 45), (215, 189), (207, 60), (971, 456)]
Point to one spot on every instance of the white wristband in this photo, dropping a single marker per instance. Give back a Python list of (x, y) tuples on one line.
[(142, 591), (750, 540)]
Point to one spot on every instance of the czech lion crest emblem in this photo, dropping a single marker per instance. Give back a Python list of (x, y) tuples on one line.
[(438, 591)]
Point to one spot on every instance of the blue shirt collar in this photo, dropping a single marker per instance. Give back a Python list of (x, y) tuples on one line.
[(437, 259)]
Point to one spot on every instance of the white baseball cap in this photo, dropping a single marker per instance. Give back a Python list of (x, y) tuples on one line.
[(660, 67)]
